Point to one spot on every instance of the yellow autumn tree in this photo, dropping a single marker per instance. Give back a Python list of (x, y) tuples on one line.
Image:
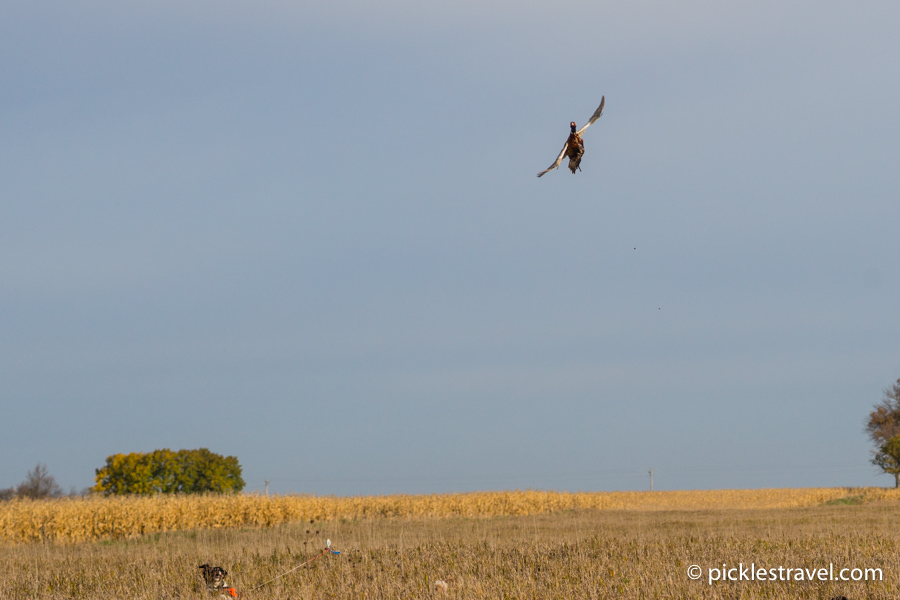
[(167, 472)]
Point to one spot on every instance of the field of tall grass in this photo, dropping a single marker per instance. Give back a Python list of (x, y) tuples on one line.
[(103, 518), (626, 554)]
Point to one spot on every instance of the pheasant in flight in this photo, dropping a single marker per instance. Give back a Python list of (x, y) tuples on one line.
[(574, 148)]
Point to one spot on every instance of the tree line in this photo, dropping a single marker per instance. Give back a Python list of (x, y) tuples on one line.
[(38, 483), (158, 472)]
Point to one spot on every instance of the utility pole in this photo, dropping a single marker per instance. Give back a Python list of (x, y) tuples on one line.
[(651, 479), (267, 487)]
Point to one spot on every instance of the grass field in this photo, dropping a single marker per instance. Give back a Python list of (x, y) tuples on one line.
[(638, 549)]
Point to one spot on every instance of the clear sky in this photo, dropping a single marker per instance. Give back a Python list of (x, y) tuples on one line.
[(310, 235)]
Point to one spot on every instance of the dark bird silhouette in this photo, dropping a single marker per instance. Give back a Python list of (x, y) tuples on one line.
[(574, 147)]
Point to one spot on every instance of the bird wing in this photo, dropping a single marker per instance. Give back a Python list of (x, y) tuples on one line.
[(595, 116), (557, 161)]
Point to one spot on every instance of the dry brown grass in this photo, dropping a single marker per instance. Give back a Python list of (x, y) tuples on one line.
[(98, 518), (582, 553)]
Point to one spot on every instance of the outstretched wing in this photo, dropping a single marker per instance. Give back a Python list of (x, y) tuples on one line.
[(595, 116), (558, 160)]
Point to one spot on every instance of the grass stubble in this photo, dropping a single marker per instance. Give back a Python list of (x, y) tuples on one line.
[(571, 553)]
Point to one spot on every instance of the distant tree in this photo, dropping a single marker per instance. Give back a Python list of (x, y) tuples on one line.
[(167, 472), (883, 427), (39, 484), (7, 494), (887, 458)]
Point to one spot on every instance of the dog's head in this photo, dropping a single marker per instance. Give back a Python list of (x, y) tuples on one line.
[(214, 577)]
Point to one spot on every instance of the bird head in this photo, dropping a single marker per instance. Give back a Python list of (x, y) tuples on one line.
[(572, 125)]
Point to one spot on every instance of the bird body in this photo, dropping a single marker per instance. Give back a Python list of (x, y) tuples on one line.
[(574, 146), (574, 150)]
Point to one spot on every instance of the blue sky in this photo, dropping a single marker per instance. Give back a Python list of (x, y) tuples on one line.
[(311, 236)]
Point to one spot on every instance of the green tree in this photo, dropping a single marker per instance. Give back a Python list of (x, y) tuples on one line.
[(887, 457), (883, 427), (167, 472)]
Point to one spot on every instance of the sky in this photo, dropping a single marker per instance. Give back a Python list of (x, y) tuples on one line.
[(310, 235)]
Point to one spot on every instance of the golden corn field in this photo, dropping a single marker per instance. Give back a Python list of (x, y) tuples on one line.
[(100, 518), (525, 544)]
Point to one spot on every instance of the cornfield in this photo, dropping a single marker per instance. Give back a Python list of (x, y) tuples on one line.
[(115, 518)]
